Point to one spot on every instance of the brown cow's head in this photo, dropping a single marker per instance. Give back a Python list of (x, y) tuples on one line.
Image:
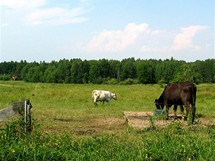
[(158, 104)]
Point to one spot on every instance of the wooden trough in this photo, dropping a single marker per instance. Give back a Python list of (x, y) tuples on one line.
[(142, 120)]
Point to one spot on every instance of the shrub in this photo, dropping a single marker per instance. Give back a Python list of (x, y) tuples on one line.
[(112, 81), (129, 81), (5, 77)]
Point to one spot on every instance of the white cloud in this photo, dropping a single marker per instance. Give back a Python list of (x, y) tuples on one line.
[(116, 40), (180, 41), (56, 16), (185, 38), (22, 4), (37, 12)]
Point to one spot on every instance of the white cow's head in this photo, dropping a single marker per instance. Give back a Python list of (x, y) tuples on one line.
[(113, 95)]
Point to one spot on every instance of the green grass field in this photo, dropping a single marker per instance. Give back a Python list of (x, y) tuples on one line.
[(68, 107), (72, 128)]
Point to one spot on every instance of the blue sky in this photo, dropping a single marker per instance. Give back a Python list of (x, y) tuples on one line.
[(46, 30)]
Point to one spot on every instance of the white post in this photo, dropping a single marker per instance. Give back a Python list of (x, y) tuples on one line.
[(25, 115)]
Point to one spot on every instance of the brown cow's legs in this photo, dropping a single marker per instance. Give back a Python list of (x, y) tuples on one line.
[(187, 111), (175, 110), (167, 112), (182, 111), (193, 113)]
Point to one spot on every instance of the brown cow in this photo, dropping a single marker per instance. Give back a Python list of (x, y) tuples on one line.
[(183, 93)]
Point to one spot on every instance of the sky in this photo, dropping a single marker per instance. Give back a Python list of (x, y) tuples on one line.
[(47, 30)]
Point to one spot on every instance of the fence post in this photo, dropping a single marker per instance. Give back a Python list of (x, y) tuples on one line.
[(23, 108), (27, 116)]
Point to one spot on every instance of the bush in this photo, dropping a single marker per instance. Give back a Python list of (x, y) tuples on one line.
[(161, 83), (129, 81), (5, 77), (112, 81)]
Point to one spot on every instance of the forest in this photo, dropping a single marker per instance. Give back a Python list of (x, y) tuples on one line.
[(103, 71)]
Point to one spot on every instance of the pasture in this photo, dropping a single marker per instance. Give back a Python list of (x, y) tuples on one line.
[(67, 108), (67, 112)]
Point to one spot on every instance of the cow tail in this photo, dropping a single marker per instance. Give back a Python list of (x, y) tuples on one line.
[(194, 89), (194, 95)]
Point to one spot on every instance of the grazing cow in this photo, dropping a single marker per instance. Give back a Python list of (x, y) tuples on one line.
[(183, 93), (100, 95)]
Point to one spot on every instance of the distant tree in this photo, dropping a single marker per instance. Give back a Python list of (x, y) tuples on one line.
[(187, 72), (63, 71), (145, 72), (76, 71), (213, 70), (34, 74), (104, 68), (85, 71), (128, 69), (206, 69), (115, 69), (5, 77), (50, 75), (94, 73), (19, 67), (166, 70), (25, 72), (8, 67)]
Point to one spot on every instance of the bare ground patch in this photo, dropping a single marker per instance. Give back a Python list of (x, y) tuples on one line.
[(86, 126), (101, 125), (141, 120), (109, 125)]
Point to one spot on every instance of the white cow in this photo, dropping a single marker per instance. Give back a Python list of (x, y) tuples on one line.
[(100, 95)]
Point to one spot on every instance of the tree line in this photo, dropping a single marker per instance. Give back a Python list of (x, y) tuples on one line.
[(103, 71)]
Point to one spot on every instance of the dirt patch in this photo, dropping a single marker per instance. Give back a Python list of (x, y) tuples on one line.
[(143, 120), (86, 126), (204, 121), (100, 125), (137, 119), (110, 125)]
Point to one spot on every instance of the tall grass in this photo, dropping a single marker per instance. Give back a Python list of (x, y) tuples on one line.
[(171, 143)]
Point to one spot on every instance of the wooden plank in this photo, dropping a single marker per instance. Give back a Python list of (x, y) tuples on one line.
[(6, 112), (11, 110)]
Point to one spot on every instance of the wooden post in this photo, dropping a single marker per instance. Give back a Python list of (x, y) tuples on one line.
[(27, 116), (23, 108)]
